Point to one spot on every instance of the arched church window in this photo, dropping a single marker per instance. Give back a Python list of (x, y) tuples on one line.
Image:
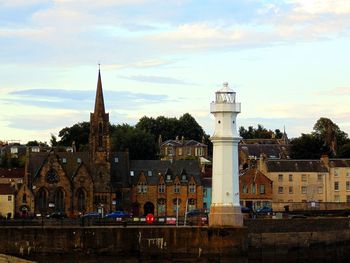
[(81, 200), (100, 128), (42, 200), (59, 200), (24, 198)]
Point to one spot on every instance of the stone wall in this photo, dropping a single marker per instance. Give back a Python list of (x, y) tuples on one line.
[(142, 241), (297, 233)]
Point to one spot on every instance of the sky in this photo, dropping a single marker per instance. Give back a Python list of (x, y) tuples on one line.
[(287, 60)]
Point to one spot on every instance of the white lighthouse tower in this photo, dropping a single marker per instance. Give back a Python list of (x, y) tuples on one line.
[(225, 209)]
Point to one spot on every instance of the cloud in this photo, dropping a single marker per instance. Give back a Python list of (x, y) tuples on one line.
[(158, 79), (339, 91), (82, 99)]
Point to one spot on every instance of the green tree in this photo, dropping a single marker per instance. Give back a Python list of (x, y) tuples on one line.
[(140, 144), (79, 133), (307, 146), (255, 133)]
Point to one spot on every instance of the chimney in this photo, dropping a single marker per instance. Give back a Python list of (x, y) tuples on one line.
[(325, 160), (262, 164)]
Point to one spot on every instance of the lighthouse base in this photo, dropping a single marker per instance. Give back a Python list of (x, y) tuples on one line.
[(225, 215)]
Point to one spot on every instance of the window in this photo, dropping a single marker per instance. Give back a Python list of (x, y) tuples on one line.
[(262, 189), (176, 188), (320, 190), (336, 186), (64, 160), (347, 185), (303, 178), (161, 188), (336, 198), (78, 160), (176, 204), (9, 198), (291, 189), (180, 151), (336, 172), (149, 173), (14, 150), (191, 204), (280, 190), (116, 159), (24, 198), (192, 188), (303, 189), (132, 173), (81, 200), (205, 192), (183, 177), (59, 200), (280, 177), (168, 151), (161, 207), (199, 151), (168, 177), (290, 178), (320, 177), (245, 189), (42, 200), (142, 188), (253, 188), (348, 198), (347, 172)]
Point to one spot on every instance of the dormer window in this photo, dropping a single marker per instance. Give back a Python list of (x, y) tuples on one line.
[(116, 159), (168, 177), (183, 177), (132, 173), (149, 173), (14, 150), (64, 160), (78, 160)]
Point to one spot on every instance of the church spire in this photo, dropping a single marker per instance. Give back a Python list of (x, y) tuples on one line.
[(99, 102)]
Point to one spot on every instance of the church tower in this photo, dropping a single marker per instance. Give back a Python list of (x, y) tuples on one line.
[(100, 150), (225, 209)]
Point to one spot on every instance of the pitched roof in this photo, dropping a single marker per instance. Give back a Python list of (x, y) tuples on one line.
[(99, 102), (7, 189), (296, 166), (12, 172), (179, 143), (254, 173), (339, 162), (162, 167), (272, 151)]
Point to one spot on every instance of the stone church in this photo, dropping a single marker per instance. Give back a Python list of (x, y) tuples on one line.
[(99, 180)]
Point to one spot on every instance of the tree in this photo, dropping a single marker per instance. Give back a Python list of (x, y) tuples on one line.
[(78, 133), (330, 133), (140, 144), (53, 140), (36, 143), (259, 133), (307, 146)]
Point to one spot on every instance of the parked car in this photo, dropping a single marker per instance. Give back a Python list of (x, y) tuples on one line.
[(118, 214), (91, 215), (197, 218), (264, 210), (57, 215)]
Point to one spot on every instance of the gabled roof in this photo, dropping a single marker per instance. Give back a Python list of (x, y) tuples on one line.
[(160, 167), (179, 143), (316, 166), (253, 173), (272, 151)]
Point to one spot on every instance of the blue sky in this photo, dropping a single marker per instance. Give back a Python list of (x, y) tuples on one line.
[(288, 61)]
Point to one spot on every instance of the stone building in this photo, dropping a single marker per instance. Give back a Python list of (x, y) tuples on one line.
[(7, 201), (255, 189), (165, 188), (182, 149)]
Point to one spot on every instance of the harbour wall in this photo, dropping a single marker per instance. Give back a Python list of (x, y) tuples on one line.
[(166, 241)]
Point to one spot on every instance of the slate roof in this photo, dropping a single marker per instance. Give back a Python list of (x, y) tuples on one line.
[(272, 151), (339, 162), (7, 189), (12, 172), (296, 166), (178, 143), (120, 169), (254, 173), (162, 167)]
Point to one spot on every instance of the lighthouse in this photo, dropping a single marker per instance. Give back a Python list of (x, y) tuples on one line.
[(225, 209)]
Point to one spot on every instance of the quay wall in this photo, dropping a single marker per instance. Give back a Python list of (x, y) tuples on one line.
[(167, 241), (135, 241)]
